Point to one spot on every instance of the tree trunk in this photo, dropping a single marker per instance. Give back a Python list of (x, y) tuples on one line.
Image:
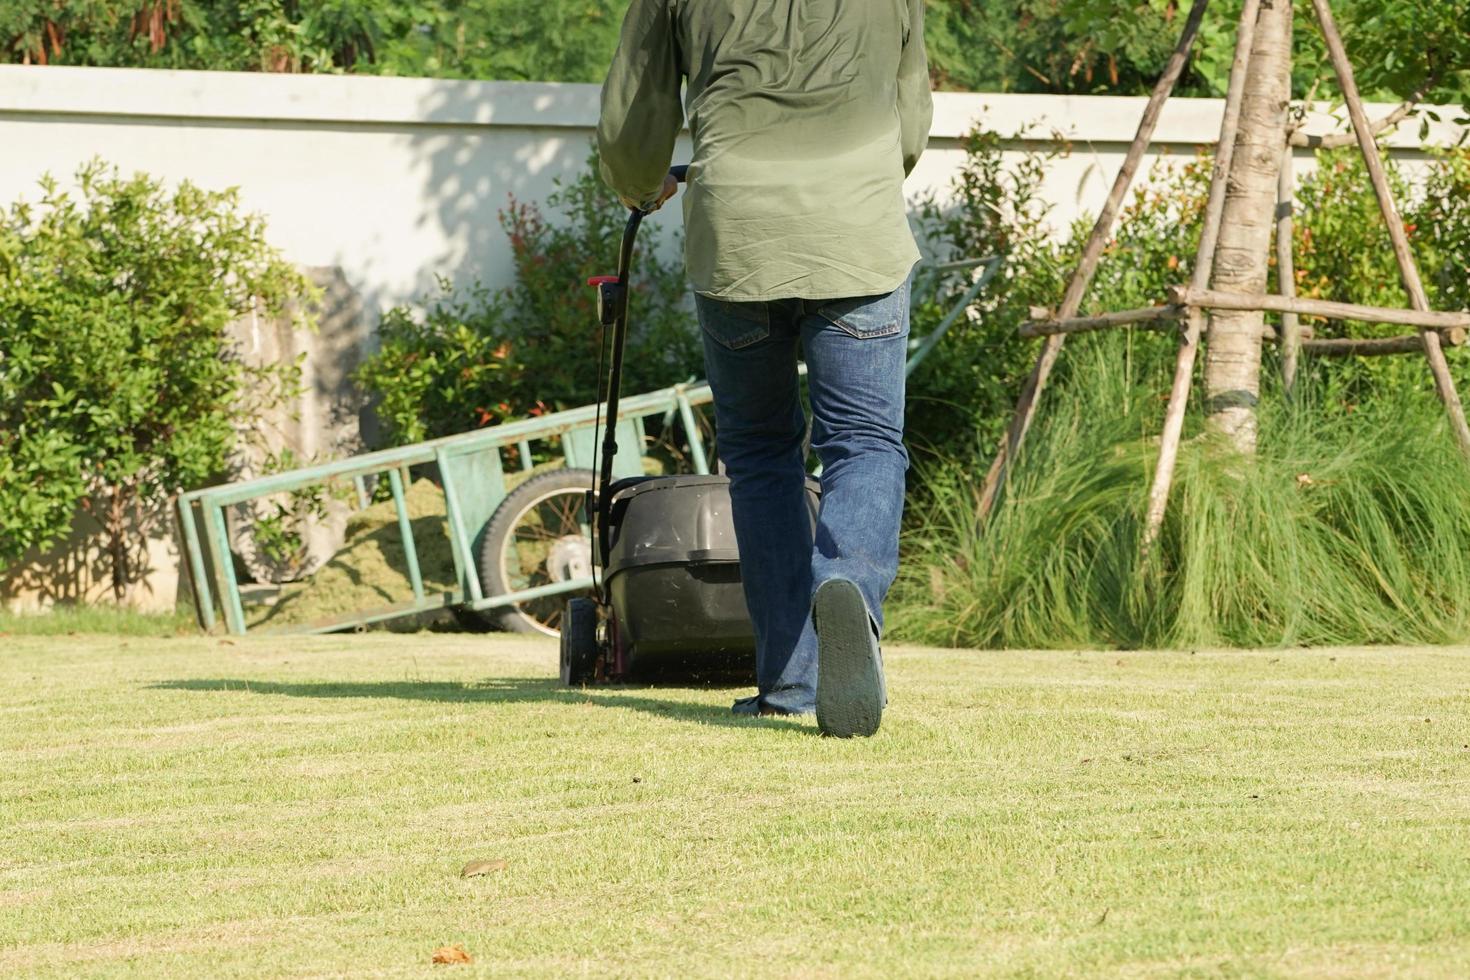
[(1233, 343), (117, 534)]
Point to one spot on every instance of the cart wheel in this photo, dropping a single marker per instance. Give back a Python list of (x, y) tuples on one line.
[(579, 642), (537, 536)]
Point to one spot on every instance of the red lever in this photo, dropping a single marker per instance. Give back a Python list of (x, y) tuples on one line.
[(602, 280)]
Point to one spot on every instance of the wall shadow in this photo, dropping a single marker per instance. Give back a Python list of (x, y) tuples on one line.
[(470, 171), (77, 570), (514, 690)]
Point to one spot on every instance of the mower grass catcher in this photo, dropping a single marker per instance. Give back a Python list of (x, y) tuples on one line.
[(669, 599)]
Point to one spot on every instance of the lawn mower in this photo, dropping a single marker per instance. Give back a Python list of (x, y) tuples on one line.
[(668, 596)]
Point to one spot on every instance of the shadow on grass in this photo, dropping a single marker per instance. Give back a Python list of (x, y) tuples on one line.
[(515, 690)]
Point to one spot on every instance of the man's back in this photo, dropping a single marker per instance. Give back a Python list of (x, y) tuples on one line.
[(806, 115)]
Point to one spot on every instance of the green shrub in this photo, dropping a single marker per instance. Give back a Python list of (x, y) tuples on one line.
[(480, 357), (118, 385), (1343, 253)]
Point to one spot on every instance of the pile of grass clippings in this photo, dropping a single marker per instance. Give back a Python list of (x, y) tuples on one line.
[(371, 569)]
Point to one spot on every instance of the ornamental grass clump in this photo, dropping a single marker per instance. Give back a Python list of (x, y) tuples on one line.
[(1347, 527)]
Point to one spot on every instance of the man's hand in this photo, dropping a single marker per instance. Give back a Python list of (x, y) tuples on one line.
[(670, 188)]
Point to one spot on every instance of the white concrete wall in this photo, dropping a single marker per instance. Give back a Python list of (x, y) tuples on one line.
[(397, 180)]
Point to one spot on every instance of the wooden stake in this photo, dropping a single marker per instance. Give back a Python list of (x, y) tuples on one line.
[(1408, 271), (1158, 495), (1091, 251), (1212, 299), (1291, 330), (1146, 319), (1378, 346), (1157, 317)]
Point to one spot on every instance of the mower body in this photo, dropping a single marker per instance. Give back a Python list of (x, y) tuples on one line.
[(672, 577)]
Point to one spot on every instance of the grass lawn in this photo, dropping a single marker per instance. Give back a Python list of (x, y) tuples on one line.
[(206, 807)]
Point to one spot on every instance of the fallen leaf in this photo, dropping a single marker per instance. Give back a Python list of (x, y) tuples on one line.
[(475, 868), (226, 643), (452, 954), (1304, 479)]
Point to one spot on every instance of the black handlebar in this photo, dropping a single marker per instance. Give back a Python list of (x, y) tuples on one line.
[(613, 305)]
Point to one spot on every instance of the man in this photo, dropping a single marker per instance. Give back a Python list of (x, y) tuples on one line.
[(806, 117)]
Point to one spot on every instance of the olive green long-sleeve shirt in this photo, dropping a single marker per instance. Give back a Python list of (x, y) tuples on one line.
[(806, 117)]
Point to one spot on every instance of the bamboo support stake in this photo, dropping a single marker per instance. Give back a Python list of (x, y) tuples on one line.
[(1092, 250), (1379, 346), (1158, 495), (1440, 368), (1149, 318), (1216, 300), (1291, 330)]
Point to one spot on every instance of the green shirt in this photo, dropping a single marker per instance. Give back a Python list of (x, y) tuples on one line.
[(806, 116)]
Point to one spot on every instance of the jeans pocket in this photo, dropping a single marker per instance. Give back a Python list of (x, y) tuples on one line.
[(733, 325), (865, 317)]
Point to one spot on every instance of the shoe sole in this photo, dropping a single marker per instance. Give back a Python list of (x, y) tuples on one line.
[(849, 689)]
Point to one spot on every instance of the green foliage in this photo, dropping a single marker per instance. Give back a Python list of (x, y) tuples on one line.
[(1058, 46), (482, 357), (1343, 253), (1442, 230), (118, 387), (1399, 48), (519, 40), (1071, 46), (561, 40), (253, 35)]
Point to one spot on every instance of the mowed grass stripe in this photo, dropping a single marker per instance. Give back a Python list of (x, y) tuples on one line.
[(303, 806)]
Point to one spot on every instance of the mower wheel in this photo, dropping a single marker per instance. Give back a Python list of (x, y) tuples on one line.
[(579, 642), (537, 536)]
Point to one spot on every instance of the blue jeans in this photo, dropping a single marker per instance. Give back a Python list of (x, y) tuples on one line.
[(854, 351)]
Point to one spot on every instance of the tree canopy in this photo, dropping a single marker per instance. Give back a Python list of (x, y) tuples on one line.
[(1403, 47)]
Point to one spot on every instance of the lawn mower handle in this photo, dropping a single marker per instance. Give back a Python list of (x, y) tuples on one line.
[(613, 305)]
